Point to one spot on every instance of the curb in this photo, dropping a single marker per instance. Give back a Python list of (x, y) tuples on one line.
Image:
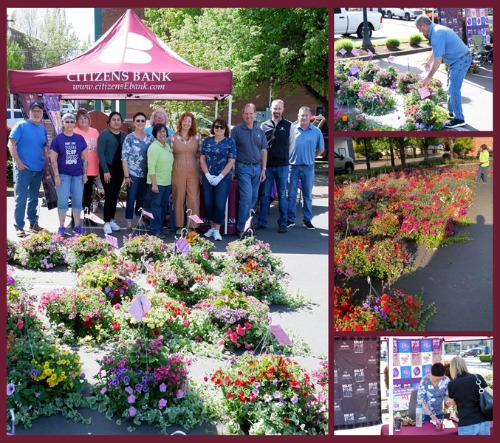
[(385, 55)]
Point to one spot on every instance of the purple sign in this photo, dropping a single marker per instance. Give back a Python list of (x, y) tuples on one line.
[(280, 335), (343, 51), (424, 92), (353, 70)]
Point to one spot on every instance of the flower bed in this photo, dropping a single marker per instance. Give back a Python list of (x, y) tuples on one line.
[(269, 395)]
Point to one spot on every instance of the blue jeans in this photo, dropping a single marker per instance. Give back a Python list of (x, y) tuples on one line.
[(70, 185), (27, 187), (136, 194), (280, 174), (306, 176), (215, 198), (477, 429), (484, 171), (426, 417), (159, 205), (248, 177), (456, 75)]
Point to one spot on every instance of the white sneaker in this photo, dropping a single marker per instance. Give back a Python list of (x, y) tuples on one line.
[(114, 226), (209, 233), (107, 228), (217, 235)]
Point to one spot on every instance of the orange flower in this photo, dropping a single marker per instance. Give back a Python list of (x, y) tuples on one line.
[(344, 118)]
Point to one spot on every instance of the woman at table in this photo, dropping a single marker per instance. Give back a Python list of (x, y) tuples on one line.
[(68, 158), (464, 393), (90, 135), (185, 143), (134, 161), (218, 155), (160, 162), (109, 149), (432, 392)]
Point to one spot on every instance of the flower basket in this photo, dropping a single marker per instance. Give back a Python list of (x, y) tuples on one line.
[(145, 248), (78, 314), (141, 383), (40, 251), (268, 395), (202, 250), (232, 320), (82, 249)]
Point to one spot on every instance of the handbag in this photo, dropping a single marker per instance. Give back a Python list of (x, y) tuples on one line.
[(485, 401)]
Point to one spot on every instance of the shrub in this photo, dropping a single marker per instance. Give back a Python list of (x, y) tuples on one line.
[(392, 43), (415, 39), (344, 43)]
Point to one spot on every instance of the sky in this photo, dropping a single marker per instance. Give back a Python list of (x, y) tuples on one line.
[(81, 21)]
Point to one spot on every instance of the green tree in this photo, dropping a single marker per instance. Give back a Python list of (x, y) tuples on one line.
[(15, 59), (287, 45)]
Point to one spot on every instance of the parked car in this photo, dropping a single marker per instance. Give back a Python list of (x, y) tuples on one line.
[(349, 21), (17, 117), (473, 352), (67, 107), (343, 164)]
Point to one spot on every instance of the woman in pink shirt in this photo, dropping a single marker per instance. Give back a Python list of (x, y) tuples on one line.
[(90, 135)]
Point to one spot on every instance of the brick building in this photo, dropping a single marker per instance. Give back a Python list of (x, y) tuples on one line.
[(106, 17)]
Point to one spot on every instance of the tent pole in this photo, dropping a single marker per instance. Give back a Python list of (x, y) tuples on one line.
[(229, 111), (216, 109)]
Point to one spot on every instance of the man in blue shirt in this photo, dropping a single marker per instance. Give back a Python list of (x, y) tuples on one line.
[(447, 47), (277, 130), (306, 143), (26, 143), (251, 160)]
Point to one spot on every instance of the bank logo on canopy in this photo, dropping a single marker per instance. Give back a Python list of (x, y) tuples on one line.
[(127, 48)]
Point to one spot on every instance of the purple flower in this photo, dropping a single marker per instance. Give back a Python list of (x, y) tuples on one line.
[(37, 394), (163, 387), (103, 390), (267, 398), (162, 403), (131, 398), (129, 390), (138, 387), (277, 394), (10, 388), (132, 411), (294, 399), (34, 372), (179, 393)]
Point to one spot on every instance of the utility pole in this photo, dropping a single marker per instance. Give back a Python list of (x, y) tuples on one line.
[(367, 43)]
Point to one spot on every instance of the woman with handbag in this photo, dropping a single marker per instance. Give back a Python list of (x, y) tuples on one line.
[(464, 392)]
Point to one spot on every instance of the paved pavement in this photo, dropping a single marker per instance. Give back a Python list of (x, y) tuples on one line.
[(477, 90), (305, 257)]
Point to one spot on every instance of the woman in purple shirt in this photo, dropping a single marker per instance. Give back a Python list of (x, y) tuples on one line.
[(69, 162)]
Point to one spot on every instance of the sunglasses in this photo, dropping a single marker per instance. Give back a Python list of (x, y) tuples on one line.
[(219, 127), (140, 121), (71, 122)]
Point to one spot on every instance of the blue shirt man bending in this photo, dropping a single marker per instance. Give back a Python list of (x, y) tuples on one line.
[(447, 47), (26, 143), (277, 130), (306, 143), (251, 160)]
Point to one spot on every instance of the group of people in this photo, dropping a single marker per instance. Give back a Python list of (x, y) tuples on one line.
[(158, 165), (460, 390)]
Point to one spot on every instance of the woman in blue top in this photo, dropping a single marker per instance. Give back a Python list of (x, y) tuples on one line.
[(69, 162), (134, 161), (218, 155), (433, 391)]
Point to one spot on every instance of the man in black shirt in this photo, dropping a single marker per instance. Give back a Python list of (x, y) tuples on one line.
[(277, 130)]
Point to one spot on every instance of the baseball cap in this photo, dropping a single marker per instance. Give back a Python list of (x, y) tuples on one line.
[(36, 104)]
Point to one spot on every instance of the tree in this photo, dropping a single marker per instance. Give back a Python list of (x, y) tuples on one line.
[(289, 45), (48, 36), (15, 59)]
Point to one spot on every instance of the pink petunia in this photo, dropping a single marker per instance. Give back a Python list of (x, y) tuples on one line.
[(132, 411), (162, 403)]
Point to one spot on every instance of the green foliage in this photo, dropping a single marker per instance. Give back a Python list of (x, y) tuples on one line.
[(290, 45), (344, 43), (415, 39), (392, 43)]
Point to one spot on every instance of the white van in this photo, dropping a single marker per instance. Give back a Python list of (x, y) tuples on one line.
[(14, 117), (67, 107)]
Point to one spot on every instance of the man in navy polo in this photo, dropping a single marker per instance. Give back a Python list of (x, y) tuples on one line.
[(306, 143), (26, 143), (251, 160), (447, 47), (277, 130)]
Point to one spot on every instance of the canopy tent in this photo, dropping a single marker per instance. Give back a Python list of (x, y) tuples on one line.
[(128, 62)]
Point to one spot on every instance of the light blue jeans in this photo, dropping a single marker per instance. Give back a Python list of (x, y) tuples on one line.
[(70, 185), (27, 187), (280, 174), (477, 429), (456, 75), (306, 176), (248, 177), (483, 170)]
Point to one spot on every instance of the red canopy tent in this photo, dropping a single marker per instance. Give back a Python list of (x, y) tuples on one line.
[(128, 62)]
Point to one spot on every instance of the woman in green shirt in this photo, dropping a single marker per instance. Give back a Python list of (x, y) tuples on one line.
[(160, 162)]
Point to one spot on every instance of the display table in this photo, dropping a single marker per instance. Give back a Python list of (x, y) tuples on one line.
[(426, 429)]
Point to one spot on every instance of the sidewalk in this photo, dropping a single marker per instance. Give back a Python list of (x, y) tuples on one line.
[(305, 258)]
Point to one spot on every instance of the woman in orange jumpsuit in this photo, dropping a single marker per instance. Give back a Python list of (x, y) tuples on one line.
[(186, 144)]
